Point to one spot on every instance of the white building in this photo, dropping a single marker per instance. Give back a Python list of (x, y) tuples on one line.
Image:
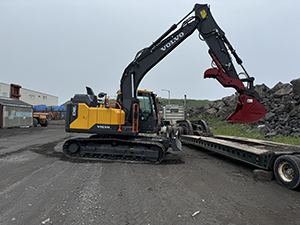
[(37, 98), (4, 90), (30, 96)]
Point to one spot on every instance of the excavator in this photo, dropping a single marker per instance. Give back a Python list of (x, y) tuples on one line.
[(128, 129)]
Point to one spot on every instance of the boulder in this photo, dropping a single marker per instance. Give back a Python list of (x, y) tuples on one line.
[(212, 111), (270, 116), (284, 90), (262, 90), (296, 86)]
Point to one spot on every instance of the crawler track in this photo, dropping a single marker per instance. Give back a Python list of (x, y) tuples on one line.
[(136, 149)]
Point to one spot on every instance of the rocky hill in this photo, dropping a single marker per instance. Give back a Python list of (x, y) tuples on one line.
[(282, 103)]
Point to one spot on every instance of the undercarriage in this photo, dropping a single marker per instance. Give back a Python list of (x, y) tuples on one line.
[(142, 148)]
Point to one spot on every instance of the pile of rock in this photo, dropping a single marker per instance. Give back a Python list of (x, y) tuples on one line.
[(282, 103)]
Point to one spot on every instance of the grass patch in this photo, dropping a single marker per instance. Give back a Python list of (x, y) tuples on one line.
[(218, 127), (180, 102), (286, 140)]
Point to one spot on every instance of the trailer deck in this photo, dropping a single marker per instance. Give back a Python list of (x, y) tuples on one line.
[(259, 153)]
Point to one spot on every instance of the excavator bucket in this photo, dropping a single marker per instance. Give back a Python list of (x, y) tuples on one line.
[(248, 110)]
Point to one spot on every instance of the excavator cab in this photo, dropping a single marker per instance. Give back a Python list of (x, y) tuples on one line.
[(148, 112)]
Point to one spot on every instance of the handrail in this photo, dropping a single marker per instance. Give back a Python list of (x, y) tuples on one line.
[(159, 114), (133, 118), (120, 114)]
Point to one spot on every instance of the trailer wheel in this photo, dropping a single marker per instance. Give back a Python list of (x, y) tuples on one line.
[(35, 122), (287, 171), (45, 124)]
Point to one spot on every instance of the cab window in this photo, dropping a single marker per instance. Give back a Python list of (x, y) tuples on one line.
[(145, 107)]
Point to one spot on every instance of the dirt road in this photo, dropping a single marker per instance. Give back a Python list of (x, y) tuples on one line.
[(38, 185)]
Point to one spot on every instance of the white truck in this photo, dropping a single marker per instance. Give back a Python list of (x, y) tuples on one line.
[(172, 113)]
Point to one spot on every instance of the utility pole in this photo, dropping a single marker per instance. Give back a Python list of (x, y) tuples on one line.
[(168, 94), (185, 109)]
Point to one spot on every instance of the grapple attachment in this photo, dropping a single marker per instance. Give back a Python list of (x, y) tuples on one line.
[(248, 110)]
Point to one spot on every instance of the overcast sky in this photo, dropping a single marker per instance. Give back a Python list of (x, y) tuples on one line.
[(60, 46)]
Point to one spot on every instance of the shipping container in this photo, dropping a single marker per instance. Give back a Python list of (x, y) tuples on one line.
[(62, 115), (56, 115), (38, 108), (55, 108)]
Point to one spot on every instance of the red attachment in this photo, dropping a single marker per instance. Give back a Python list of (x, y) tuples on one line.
[(248, 110), (224, 79), (219, 74)]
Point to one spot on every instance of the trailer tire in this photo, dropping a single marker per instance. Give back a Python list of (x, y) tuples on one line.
[(35, 122), (45, 124), (287, 171)]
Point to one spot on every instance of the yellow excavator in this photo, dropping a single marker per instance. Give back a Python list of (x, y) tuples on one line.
[(127, 129)]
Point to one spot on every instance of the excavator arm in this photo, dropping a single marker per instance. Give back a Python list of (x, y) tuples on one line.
[(248, 109), (147, 58)]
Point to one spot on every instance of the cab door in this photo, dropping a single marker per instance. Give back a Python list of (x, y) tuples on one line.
[(148, 122)]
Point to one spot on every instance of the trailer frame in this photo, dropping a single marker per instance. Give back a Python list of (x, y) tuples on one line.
[(259, 153)]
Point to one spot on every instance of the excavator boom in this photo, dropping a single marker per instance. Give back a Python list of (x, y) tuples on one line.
[(219, 47)]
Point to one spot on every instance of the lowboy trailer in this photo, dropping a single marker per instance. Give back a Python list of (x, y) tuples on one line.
[(282, 159)]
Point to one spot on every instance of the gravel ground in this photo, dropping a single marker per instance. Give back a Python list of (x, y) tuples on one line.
[(38, 185)]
